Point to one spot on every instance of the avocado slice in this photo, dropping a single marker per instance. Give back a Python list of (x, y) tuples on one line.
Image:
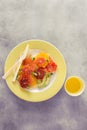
[(45, 82), (41, 84)]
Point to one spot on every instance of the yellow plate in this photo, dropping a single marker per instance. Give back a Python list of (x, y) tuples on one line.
[(60, 74)]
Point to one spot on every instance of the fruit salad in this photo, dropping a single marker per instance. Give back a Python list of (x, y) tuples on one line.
[(36, 71)]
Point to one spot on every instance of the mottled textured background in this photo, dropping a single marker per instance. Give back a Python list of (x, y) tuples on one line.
[(63, 23)]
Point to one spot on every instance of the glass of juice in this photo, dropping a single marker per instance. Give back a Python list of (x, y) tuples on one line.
[(74, 86)]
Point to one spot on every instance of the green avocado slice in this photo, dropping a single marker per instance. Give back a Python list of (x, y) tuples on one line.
[(45, 82)]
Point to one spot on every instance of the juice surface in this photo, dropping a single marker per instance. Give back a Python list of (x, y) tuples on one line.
[(73, 85)]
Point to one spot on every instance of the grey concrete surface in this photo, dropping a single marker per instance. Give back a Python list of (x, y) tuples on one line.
[(64, 24)]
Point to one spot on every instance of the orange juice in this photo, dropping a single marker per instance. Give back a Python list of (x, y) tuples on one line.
[(74, 86)]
